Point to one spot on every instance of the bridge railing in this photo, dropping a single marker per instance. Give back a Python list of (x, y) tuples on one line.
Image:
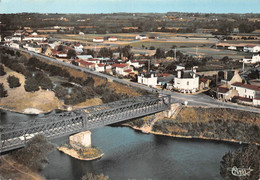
[(67, 125)]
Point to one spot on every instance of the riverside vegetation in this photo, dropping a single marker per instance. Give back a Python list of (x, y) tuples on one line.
[(207, 123)]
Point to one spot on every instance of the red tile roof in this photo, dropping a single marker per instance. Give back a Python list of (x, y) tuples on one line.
[(248, 86), (128, 70), (242, 98), (163, 74), (98, 38), (119, 65), (220, 89), (101, 65), (203, 80), (85, 63)]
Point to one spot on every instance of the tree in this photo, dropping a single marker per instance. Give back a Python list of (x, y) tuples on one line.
[(61, 48), (31, 85), (43, 80), (71, 53), (159, 53), (34, 155), (247, 157), (2, 71), (60, 92), (225, 59), (3, 92), (13, 81)]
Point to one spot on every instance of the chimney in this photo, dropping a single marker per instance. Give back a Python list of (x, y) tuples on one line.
[(179, 74)]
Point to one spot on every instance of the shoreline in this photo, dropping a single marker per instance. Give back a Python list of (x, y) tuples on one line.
[(73, 153), (189, 137)]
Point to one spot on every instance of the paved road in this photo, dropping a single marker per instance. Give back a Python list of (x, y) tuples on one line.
[(195, 100)]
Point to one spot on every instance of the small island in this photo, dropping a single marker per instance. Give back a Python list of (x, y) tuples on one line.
[(79, 147)]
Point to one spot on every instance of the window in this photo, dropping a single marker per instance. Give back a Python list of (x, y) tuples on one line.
[(188, 83)]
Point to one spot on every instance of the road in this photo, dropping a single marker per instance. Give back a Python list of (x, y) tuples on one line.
[(194, 100)]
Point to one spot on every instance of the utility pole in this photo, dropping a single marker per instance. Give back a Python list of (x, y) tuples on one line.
[(175, 54)]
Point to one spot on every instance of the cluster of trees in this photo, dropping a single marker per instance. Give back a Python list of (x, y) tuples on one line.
[(34, 155), (13, 81), (247, 158), (3, 92)]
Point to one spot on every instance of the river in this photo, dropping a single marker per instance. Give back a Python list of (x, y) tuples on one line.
[(129, 154)]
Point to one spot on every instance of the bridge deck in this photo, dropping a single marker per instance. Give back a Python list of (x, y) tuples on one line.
[(67, 123)]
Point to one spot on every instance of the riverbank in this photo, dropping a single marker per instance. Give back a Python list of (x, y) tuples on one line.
[(86, 154), (9, 169), (204, 123)]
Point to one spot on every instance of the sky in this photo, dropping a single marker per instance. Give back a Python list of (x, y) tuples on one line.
[(133, 6)]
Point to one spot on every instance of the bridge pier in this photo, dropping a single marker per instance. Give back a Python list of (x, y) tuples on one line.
[(81, 140)]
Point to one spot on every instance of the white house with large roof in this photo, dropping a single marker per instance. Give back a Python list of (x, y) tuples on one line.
[(187, 81)]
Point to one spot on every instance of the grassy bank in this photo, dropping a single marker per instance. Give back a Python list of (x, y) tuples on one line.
[(207, 123)]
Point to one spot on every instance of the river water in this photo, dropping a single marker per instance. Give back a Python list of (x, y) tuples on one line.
[(129, 154)]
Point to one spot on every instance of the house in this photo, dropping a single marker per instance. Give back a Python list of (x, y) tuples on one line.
[(48, 51), (141, 37), (85, 64), (252, 60), (78, 48), (98, 40), (246, 90), (135, 64), (166, 80), (93, 60), (252, 48), (112, 39), (223, 93), (62, 55), (149, 79), (108, 69), (186, 81), (15, 45), (100, 67), (203, 83), (33, 48), (122, 69), (34, 38), (85, 57), (230, 78)]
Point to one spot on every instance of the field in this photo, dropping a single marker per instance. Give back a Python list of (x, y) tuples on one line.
[(190, 44)]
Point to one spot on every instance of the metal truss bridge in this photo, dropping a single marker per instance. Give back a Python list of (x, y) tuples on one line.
[(67, 123)]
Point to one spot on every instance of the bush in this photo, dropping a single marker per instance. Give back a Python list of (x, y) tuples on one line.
[(43, 80), (247, 157), (34, 154), (2, 71), (31, 85), (3, 92), (60, 92), (13, 81)]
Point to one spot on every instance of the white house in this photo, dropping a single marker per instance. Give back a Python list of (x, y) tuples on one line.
[(84, 57), (100, 67), (233, 48), (34, 38), (98, 40), (149, 79), (16, 38), (122, 69), (252, 48), (186, 81), (246, 90), (112, 39), (15, 45), (252, 60), (141, 37), (81, 33), (136, 64)]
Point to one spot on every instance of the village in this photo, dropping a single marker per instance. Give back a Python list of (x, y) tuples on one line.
[(110, 55)]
